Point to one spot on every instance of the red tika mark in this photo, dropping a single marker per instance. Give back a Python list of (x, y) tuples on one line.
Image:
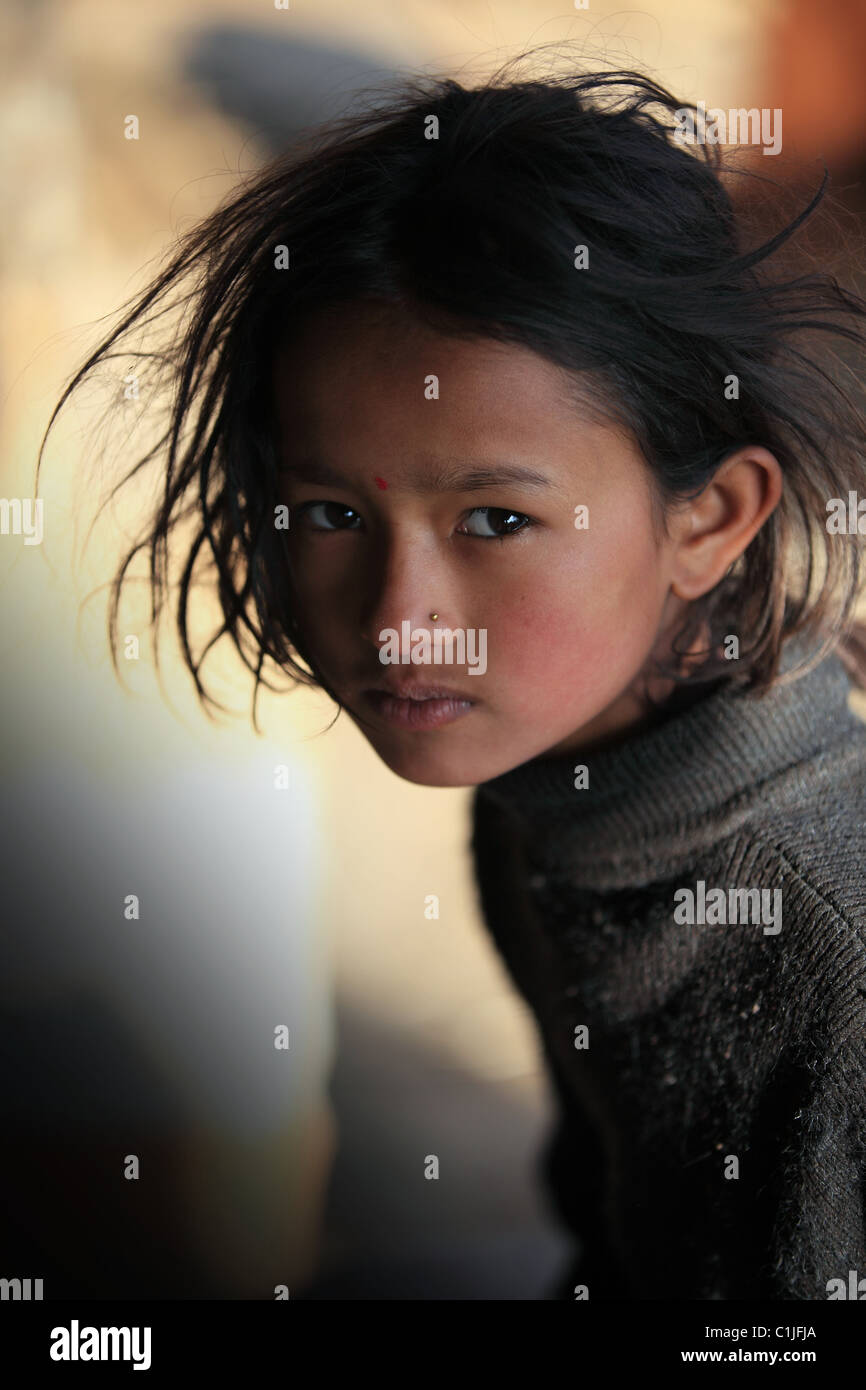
[(380, 482)]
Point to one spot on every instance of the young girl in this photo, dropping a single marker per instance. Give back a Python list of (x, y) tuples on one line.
[(491, 381)]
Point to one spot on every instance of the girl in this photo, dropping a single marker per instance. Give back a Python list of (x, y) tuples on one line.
[(500, 365)]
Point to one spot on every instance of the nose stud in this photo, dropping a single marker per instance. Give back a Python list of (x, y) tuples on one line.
[(434, 616)]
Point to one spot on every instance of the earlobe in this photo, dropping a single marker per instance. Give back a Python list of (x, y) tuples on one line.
[(693, 587)]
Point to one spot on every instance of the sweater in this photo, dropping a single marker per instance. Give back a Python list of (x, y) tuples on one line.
[(689, 932)]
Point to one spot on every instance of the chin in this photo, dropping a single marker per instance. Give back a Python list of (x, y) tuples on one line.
[(427, 769), (432, 776)]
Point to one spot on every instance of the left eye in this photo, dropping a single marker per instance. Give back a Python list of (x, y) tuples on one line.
[(494, 516)]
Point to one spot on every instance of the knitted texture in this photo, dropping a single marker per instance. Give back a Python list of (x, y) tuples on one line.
[(710, 1074)]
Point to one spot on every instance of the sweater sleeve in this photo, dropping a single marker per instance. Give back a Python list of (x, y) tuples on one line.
[(819, 1231), (572, 1171)]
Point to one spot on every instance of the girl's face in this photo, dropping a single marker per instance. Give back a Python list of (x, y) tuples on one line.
[(383, 423)]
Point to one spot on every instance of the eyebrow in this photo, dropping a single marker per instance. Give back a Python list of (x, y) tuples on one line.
[(443, 476)]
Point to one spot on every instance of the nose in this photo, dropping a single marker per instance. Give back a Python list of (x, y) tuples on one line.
[(407, 583)]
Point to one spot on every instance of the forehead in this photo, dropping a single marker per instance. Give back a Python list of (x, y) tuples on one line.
[(366, 376)]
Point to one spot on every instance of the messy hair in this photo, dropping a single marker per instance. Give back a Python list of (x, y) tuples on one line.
[(466, 207)]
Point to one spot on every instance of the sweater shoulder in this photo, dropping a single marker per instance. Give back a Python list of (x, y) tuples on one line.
[(814, 846)]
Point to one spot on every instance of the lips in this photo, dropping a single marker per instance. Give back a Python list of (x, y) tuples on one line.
[(410, 691), (420, 708)]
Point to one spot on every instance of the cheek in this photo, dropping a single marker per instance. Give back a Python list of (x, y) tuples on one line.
[(323, 575), (586, 624)]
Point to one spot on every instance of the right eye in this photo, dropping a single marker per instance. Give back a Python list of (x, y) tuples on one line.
[(329, 512)]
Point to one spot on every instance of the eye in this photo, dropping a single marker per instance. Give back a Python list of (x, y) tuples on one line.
[(330, 512), (493, 516)]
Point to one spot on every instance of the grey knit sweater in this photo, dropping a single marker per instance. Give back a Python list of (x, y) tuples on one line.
[(708, 1050)]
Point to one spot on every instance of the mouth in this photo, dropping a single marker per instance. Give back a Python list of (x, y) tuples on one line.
[(412, 690), (413, 706)]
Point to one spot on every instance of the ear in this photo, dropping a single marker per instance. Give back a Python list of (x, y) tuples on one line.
[(713, 529)]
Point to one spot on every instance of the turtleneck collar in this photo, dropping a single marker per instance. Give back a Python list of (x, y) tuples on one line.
[(686, 778)]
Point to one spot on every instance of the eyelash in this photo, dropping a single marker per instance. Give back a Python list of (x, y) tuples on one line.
[(528, 521)]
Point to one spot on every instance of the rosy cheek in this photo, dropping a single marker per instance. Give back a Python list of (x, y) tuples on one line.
[(569, 644)]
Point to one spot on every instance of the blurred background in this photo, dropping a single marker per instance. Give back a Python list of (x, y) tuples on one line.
[(280, 880)]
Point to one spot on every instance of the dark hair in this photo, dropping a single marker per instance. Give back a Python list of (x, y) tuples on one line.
[(474, 227)]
